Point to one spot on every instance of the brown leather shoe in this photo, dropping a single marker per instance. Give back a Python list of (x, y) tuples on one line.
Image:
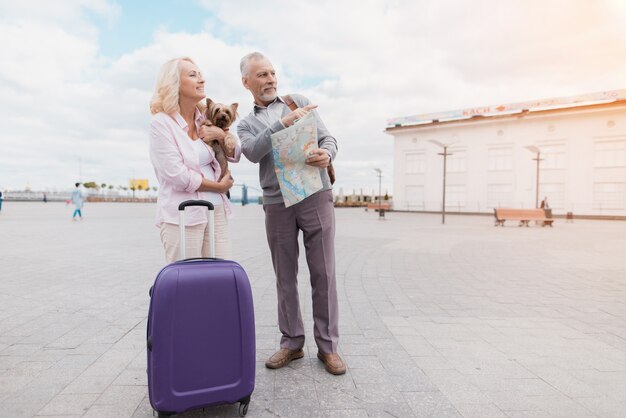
[(333, 363), (283, 357)]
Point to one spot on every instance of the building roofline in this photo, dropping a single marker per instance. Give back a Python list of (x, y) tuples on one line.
[(516, 115), (583, 101)]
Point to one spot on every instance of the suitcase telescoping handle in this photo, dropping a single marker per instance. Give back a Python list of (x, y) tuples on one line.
[(181, 224)]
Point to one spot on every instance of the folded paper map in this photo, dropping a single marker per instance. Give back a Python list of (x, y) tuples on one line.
[(291, 146)]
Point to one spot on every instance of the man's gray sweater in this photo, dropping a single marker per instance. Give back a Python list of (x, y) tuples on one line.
[(256, 145)]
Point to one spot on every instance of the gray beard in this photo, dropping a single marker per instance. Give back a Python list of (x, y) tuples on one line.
[(268, 97)]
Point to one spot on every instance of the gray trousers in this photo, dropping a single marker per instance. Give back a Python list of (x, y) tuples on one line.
[(315, 217)]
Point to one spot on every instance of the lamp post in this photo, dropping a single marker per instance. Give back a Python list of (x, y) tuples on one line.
[(537, 151), (381, 213), (445, 154), (133, 183)]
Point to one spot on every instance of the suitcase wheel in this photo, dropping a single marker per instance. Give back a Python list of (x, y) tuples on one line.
[(243, 409), (243, 406)]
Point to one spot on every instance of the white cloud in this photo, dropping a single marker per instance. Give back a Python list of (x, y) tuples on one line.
[(392, 58), (362, 62)]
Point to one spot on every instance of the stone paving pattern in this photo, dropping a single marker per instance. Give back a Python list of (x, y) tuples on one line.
[(436, 321)]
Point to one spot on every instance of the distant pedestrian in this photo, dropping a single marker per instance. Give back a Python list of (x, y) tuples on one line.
[(1, 199), (45, 198), (77, 200), (544, 203)]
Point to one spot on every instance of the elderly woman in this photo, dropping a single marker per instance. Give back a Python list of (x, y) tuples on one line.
[(185, 166)]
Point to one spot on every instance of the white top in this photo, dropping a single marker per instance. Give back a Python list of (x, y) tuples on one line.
[(205, 159)]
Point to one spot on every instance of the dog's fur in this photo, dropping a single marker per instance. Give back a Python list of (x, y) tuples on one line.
[(222, 116)]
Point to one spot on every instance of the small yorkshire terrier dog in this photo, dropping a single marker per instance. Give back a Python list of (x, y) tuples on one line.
[(222, 116)]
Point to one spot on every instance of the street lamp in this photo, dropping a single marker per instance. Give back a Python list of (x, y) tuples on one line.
[(537, 151), (445, 154), (381, 214), (133, 183)]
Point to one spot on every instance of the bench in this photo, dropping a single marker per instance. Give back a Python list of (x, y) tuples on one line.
[(385, 206), (524, 216)]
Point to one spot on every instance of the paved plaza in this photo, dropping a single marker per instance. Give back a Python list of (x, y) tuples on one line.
[(436, 321)]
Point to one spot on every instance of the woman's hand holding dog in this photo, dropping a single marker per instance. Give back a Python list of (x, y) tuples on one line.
[(221, 186), (226, 182), (210, 133), (300, 112)]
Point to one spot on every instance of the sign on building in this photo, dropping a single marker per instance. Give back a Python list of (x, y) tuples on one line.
[(139, 184)]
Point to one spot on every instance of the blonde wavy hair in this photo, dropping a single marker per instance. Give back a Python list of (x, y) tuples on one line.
[(165, 97)]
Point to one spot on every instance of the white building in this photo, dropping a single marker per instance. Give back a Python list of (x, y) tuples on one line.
[(581, 141)]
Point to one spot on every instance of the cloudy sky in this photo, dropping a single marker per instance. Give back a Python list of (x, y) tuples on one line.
[(76, 76)]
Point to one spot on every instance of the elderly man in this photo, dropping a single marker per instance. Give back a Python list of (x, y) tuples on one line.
[(314, 216)]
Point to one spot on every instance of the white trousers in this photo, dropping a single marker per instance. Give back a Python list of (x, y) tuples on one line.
[(197, 239)]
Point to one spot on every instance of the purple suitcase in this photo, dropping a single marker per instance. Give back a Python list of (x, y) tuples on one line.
[(201, 342)]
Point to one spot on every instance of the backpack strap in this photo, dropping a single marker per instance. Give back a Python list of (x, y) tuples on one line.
[(293, 106), (289, 102)]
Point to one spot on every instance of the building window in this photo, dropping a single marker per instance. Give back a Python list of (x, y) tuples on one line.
[(456, 161), (610, 154), (414, 197), (500, 195), (553, 156), (415, 163), (455, 196), (555, 192), (609, 195), (500, 159)]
